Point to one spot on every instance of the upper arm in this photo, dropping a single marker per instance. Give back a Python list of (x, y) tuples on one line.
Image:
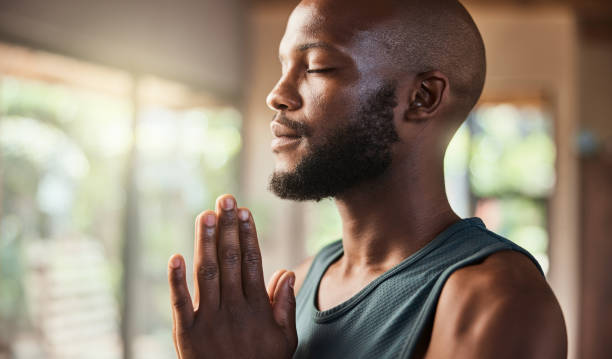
[(501, 308), (524, 326), (300, 273)]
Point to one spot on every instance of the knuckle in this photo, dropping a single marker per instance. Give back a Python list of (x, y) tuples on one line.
[(176, 277), (208, 271), (180, 302), (252, 257), (231, 256), (228, 219), (208, 236), (245, 226)]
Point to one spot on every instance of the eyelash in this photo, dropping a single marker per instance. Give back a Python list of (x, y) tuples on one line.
[(318, 71)]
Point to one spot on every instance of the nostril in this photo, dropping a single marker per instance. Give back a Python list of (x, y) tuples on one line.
[(283, 98)]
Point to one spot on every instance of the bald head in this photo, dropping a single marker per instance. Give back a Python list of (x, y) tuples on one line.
[(441, 35), (370, 87), (417, 36)]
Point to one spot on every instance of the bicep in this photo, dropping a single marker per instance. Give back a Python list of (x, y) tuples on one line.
[(521, 326), (499, 308)]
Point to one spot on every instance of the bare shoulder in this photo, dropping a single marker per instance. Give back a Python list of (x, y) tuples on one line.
[(300, 273), (501, 307)]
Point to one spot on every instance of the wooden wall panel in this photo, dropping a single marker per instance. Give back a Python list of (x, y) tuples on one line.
[(596, 239)]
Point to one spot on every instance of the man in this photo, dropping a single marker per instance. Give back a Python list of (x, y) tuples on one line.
[(369, 97)]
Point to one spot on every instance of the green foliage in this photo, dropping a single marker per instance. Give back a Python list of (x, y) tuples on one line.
[(325, 226), (512, 169), (64, 159), (511, 152)]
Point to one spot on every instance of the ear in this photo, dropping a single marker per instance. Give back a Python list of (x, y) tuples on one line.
[(426, 97)]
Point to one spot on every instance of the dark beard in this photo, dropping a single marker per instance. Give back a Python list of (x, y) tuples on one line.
[(352, 154)]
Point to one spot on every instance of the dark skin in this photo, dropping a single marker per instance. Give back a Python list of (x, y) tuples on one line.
[(231, 315), (499, 308)]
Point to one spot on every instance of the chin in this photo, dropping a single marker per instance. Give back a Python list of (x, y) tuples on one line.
[(284, 163), (280, 162)]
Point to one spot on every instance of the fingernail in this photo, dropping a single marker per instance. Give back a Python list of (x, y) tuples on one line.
[(210, 220), (228, 203), (175, 263), (243, 214)]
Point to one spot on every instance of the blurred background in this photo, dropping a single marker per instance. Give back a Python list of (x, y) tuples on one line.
[(121, 120)]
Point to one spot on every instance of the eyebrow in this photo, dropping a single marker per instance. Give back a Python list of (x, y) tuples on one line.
[(311, 45)]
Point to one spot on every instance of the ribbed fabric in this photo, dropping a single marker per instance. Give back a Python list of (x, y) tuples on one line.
[(386, 318)]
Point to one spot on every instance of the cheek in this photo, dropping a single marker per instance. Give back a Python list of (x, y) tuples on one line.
[(327, 107)]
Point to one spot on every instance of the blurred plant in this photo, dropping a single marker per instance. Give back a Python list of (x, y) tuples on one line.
[(500, 165), (512, 172), (324, 226), (60, 176), (186, 158), (64, 153), (512, 151)]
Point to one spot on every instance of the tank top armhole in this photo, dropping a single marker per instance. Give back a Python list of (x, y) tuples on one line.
[(318, 262), (515, 247), (432, 300)]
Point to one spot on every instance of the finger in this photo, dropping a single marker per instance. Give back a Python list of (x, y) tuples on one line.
[(229, 250), (284, 307), (271, 288), (176, 348), (182, 307), (252, 270), (205, 264), (196, 290)]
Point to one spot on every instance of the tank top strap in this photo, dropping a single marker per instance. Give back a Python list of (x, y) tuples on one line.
[(319, 264), (428, 309)]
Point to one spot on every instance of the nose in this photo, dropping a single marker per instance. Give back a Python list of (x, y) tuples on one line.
[(284, 96)]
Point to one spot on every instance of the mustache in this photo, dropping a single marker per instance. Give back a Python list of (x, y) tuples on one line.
[(301, 128)]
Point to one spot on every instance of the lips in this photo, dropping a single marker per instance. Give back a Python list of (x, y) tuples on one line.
[(279, 130), (284, 137)]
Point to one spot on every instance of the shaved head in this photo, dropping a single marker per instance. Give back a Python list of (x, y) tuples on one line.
[(441, 35), (369, 88), (418, 36)]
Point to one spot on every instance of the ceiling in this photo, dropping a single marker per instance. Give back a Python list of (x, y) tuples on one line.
[(591, 8), (199, 43), (594, 16)]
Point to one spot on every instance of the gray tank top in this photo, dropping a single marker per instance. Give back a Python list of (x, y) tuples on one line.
[(386, 318)]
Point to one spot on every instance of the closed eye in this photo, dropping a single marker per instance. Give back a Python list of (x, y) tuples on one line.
[(319, 71)]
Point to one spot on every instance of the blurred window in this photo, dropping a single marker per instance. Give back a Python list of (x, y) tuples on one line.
[(186, 158), (76, 145), (323, 225), (62, 157), (500, 166)]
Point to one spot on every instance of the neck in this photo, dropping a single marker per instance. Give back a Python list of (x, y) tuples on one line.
[(386, 220)]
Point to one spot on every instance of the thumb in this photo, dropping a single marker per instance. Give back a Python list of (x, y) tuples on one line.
[(273, 283), (284, 307)]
